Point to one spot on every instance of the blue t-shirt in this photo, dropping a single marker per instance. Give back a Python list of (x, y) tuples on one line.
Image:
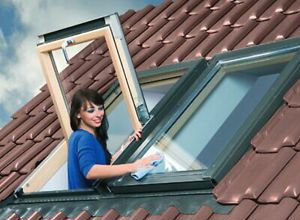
[(84, 151)]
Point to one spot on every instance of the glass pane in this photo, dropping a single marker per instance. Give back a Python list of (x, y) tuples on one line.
[(154, 92), (119, 124), (201, 133)]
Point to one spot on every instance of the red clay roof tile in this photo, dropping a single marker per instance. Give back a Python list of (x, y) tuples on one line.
[(279, 132), (254, 178), (203, 213), (111, 215), (14, 216), (292, 97), (296, 214), (275, 211), (170, 33), (84, 215)]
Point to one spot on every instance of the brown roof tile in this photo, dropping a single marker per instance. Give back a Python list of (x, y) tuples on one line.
[(35, 216), (296, 214), (292, 97), (250, 177), (294, 8), (286, 184), (84, 215), (278, 211), (263, 184), (58, 216), (203, 213), (111, 215), (281, 131), (283, 30), (14, 216)]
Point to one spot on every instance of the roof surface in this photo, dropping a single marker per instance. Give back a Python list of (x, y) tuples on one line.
[(157, 36)]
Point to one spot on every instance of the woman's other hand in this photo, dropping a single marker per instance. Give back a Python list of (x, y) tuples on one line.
[(135, 136)]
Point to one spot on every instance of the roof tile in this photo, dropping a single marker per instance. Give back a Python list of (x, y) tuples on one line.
[(296, 214), (296, 33), (278, 6), (280, 131), (283, 30), (84, 215), (5, 149), (165, 30), (233, 38), (243, 210), (292, 97), (171, 213), (237, 12), (71, 67), (26, 126), (188, 25), (44, 149), (95, 58), (138, 16), (184, 50), (48, 131), (166, 14), (26, 109), (13, 216), (16, 152), (286, 184), (111, 215), (5, 181), (160, 56), (44, 106), (139, 214), (209, 43), (8, 128), (144, 54), (59, 216), (254, 12), (27, 157), (261, 31), (213, 18), (294, 8), (98, 85), (38, 128), (256, 176), (35, 216), (279, 211), (203, 213), (11, 188)]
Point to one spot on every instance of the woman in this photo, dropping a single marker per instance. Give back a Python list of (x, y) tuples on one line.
[(88, 156)]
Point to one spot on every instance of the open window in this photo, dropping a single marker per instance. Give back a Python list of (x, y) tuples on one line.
[(108, 30), (204, 128)]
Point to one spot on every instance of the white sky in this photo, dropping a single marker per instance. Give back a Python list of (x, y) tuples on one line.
[(20, 72)]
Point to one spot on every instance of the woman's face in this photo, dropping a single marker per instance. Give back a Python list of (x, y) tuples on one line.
[(91, 116)]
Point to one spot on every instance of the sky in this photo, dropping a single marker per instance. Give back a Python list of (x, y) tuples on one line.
[(21, 21)]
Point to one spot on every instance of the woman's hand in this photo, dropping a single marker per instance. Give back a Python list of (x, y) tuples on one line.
[(145, 162), (135, 136)]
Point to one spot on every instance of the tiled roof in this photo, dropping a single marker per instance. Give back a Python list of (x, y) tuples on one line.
[(170, 33)]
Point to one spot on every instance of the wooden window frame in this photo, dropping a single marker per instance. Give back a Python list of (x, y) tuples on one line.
[(110, 28)]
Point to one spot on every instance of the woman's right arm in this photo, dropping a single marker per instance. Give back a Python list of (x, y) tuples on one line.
[(108, 171)]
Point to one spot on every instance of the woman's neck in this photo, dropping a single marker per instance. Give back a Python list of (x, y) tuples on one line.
[(88, 129)]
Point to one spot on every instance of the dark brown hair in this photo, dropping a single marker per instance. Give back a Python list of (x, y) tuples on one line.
[(79, 100)]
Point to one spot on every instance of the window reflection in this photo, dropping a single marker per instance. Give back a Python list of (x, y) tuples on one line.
[(207, 125)]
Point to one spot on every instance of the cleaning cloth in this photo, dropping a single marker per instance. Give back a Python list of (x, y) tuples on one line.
[(140, 173)]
